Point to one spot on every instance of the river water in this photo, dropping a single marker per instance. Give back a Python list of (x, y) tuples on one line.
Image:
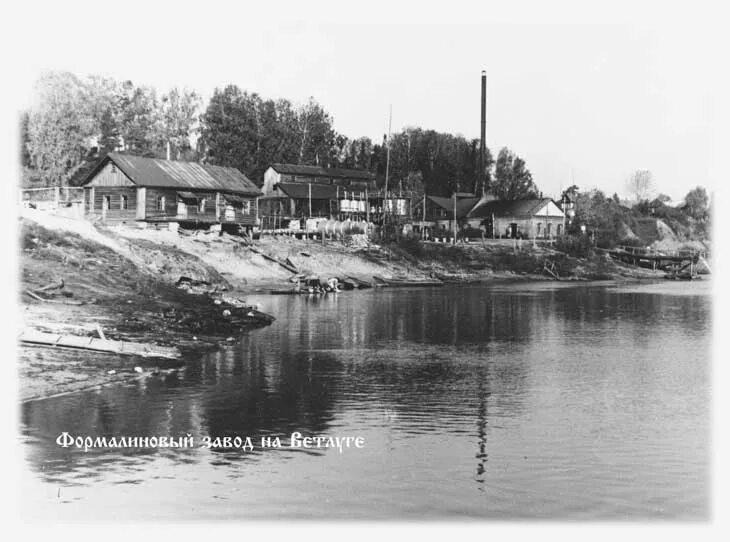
[(500, 401)]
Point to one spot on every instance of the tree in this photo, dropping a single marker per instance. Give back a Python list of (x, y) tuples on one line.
[(247, 132), (570, 193), (58, 127), (513, 180), (179, 113), (226, 128), (641, 184), (697, 203), (139, 121), (315, 134)]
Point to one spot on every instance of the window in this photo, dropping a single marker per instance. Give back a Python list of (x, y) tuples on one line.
[(124, 203), (246, 207), (114, 167), (549, 228), (106, 203), (539, 228), (161, 203), (559, 228), (201, 205)]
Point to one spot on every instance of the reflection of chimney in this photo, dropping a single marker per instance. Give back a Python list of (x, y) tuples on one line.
[(483, 142)]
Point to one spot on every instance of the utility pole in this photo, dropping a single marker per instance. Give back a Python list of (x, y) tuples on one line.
[(483, 142), (423, 226), (454, 217), (387, 167)]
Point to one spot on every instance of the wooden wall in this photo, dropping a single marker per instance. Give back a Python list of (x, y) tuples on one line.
[(114, 213), (110, 175), (112, 183)]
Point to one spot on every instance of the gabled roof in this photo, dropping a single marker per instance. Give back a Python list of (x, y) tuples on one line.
[(518, 208), (155, 172), (316, 171), (463, 205), (301, 190)]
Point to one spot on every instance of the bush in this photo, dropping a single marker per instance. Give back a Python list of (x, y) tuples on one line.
[(411, 245), (579, 246)]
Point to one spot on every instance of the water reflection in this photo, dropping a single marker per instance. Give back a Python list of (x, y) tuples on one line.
[(509, 390)]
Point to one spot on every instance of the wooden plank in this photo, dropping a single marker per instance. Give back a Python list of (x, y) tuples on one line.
[(32, 336)]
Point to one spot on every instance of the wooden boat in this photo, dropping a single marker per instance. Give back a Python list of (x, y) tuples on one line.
[(407, 282), (146, 350)]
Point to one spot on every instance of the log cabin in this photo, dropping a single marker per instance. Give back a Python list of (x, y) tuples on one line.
[(124, 188)]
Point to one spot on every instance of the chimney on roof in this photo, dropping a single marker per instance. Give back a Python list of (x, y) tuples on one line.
[(483, 142)]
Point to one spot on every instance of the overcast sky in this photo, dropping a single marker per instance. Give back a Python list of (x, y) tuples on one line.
[(592, 101)]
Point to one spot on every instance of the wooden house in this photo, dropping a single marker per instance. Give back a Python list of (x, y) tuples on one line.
[(293, 192), (125, 188)]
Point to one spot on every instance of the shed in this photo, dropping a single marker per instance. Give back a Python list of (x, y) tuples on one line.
[(528, 218)]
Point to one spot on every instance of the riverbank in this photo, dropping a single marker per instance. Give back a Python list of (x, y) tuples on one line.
[(74, 282), (128, 282)]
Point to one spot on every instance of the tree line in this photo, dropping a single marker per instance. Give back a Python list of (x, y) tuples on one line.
[(75, 121)]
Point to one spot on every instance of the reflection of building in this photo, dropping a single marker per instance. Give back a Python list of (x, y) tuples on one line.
[(126, 188)]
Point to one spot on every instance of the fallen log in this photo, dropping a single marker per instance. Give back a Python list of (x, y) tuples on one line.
[(45, 300), (146, 350), (288, 266), (52, 286)]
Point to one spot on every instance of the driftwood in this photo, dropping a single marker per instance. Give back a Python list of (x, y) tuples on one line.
[(146, 350), (549, 267), (45, 300), (288, 265), (52, 286)]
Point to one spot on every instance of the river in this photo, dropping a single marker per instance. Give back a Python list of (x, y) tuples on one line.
[(500, 401)]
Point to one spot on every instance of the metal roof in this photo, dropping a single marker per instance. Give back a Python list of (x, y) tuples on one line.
[(155, 172), (463, 205), (301, 190), (516, 208), (316, 171)]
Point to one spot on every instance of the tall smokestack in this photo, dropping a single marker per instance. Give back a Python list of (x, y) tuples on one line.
[(483, 143)]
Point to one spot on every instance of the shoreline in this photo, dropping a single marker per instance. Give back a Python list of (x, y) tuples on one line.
[(189, 290)]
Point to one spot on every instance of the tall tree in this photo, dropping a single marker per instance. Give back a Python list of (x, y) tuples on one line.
[(224, 128), (697, 203), (59, 127), (315, 134), (640, 184), (513, 180), (179, 110), (139, 119)]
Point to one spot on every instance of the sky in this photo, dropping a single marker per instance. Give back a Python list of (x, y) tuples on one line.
[(584, 97)]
